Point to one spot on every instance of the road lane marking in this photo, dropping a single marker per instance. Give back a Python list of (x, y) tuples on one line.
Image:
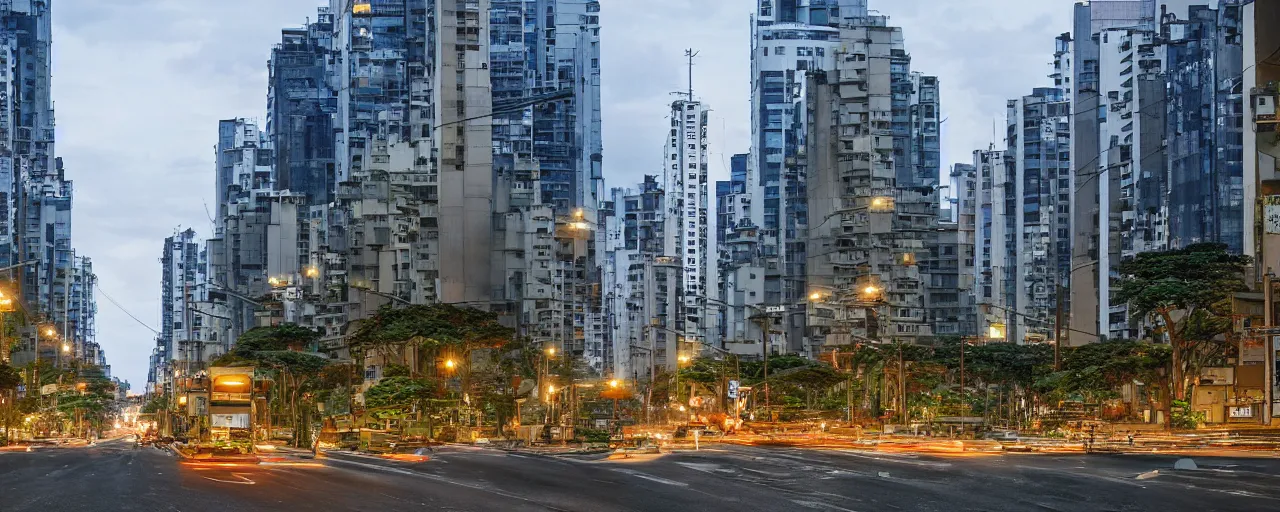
[(649, 477), (884, 457), (243, 480)]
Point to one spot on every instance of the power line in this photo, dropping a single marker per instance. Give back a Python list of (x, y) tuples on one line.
[(121, 308)]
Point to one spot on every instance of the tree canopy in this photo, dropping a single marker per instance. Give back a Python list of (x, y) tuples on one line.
[(275, 338), (1189, 291), (431, 325), (399, 392), (10, 377), (1198, 276)]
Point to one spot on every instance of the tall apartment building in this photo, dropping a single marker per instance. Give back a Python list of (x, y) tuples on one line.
[(540, 47), (1101, 148), (644, 300), (1038, 172), (740, 273), (1202, 55), (83, 312), (686, 214), (869, 232), (35, 194), (301, 104), (995, 228), (179, 264), (245, 173), (790, 41), (950, 294)]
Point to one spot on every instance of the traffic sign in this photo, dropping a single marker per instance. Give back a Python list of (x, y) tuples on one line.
[(775, 309), (733, 389)]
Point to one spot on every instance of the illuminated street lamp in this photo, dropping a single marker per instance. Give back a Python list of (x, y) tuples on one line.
[(449, 364), (613, 384), (311, 272)]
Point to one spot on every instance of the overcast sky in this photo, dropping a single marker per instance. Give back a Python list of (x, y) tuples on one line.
[(140, 85)]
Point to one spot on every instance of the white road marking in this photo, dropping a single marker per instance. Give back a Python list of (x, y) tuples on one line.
[(707, 468), (650, 478), (884, 457), (243, 480)]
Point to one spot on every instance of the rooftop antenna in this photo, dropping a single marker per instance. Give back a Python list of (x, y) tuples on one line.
[(690, 54)]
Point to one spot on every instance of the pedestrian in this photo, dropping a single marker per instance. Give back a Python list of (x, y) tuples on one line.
[(1130, 439)]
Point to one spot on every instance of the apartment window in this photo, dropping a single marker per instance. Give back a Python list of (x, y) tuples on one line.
[(780, 50), (820, 51)]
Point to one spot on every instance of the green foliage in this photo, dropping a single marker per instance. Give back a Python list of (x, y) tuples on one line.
[(296, 363), (589, 435), (395, 370), (1184, 417), (10, 377), (1097, 370), (705, 370), (274, 339), (156, 403), (431, 325), (1198, 276), (1189, 290), (399, 392), (279, 347)]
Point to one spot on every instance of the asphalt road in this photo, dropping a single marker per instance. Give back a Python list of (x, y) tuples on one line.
[(114, 476)]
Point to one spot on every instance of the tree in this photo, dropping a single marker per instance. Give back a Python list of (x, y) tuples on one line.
[(276, 338), (288, 350), (1095, 372), (10, 379), (1189, 291), (90, 400), (431, 325), (458, 332)]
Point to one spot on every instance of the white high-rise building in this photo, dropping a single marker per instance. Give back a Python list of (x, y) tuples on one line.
[(686, 214)]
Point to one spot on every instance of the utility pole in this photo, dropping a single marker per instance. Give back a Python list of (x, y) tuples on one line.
[(1268, 347), (902, 386), (963, 342), (66, 306), (764, 352), (1057, 333)]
